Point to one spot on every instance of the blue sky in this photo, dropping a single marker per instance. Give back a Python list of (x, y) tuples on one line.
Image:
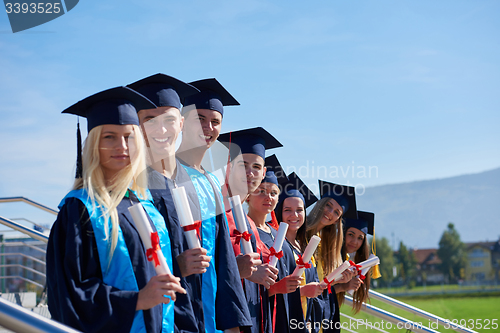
[(406, 89)]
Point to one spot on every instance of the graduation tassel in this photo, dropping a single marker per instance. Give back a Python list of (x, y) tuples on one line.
[(376, 270), (79, 166)]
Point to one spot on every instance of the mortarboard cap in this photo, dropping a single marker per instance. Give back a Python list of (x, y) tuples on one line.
[(249, 141), (270, 177), (364, 222), (164, 90), (115, 106), (295, 187), (212, 96), (344, 195), (272, 164)]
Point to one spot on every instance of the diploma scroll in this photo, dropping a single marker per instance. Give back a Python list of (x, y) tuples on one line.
[(278, 244), (149, 239), (365, 267), (336, 274), (306, 256), (240, 221), (186, 217)]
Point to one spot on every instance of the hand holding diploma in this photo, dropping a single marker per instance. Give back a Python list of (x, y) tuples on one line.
[(365, 267), (241, 226), (191, 228), (276, 252), (303, 261)]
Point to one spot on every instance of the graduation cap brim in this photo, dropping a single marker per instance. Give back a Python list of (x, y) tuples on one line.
[(162, 81), (118, 93), (369, 218), (212, 85), (343, 194)]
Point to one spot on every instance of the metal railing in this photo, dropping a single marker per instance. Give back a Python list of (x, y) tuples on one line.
[(19, 319), (25, 230), (30, 202)]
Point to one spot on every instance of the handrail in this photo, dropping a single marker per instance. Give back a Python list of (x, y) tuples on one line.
[(402, 323), (18, 319), (20, 243), (362, 323), (417, 311), (34, 223), (22, 255), (21, 228), (25, 267), (30, 202), (22, 278)]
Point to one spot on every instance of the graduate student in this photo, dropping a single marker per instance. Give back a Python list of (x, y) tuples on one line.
[(161, 127), (245, 173), (222, 292), (325, 220), (356, 248), (99, 278)]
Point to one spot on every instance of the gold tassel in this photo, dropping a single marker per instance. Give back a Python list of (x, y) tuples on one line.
[(376, 270)]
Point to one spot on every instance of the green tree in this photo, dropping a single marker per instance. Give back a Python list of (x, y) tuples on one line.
[(452, 254), (407, 265), (386, 256)]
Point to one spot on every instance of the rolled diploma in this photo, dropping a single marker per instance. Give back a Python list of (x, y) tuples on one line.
[(337, 272), (308, 252), (365, 267), (239, 219), (142, 224), (278, 242), (185, 216)]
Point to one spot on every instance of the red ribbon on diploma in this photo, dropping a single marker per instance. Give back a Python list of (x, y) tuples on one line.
[(329, 285), (301, 264), (276, 254), (155, 246), (246, 235), (195, 226), (361, 276), (357, 267)]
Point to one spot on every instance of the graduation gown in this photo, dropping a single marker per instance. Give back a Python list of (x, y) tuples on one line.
[(286, 309), (327, 307), (77, 295), (188, 308), (229, 308), (256, 295)]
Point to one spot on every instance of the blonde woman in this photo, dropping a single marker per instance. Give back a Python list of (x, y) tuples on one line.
[(325, 220), (98, 275)]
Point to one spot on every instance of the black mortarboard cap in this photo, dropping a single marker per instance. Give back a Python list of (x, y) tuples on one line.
[(343, 194), (115, 106), (364, 222), (164, 90), (272, 164), (249, 141), (297, 188), (212, 96)]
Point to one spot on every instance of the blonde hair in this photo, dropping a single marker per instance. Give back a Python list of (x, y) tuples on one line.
[(108, 197), (331, 238)]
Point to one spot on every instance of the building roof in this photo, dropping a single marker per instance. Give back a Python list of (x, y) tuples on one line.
[(427, 256)]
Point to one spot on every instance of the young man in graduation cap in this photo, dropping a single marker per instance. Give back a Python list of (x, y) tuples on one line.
[(245, 172), (203, 117), (161, 127)]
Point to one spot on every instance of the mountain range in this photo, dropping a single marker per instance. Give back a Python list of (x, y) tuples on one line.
[(417, 213)]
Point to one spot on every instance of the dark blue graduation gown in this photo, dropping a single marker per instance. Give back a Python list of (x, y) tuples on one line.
[(288, 310), (231, 309), (77, 295)]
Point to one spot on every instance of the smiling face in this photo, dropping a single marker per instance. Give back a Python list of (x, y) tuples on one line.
[(161, 127), (116, 148), (293, 213), (354, 239), (331, 213), (264, 199), (201, 128), (246, 174)]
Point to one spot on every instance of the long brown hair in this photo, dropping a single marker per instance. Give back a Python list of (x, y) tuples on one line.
[(331, 238), (361, 295)]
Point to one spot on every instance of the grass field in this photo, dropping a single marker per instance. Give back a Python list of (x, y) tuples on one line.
[(474, 311)]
